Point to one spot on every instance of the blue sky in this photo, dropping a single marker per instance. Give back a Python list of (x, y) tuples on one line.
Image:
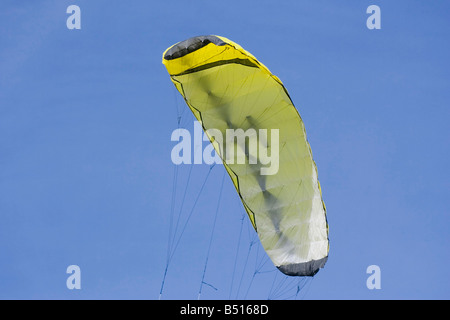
[(86, 176)]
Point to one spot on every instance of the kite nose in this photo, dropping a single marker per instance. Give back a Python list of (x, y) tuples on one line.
[(190, 45)]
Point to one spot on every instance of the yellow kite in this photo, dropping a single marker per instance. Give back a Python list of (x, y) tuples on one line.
[(228, 89)]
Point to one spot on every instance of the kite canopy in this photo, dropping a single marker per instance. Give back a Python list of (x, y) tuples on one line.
[(228, 88)]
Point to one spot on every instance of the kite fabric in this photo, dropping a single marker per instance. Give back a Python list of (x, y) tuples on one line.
[(228, 90)]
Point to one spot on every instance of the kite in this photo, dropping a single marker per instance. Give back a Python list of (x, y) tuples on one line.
[(267, 157)]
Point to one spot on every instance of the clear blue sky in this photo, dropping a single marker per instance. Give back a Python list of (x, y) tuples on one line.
[(86, 176)]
